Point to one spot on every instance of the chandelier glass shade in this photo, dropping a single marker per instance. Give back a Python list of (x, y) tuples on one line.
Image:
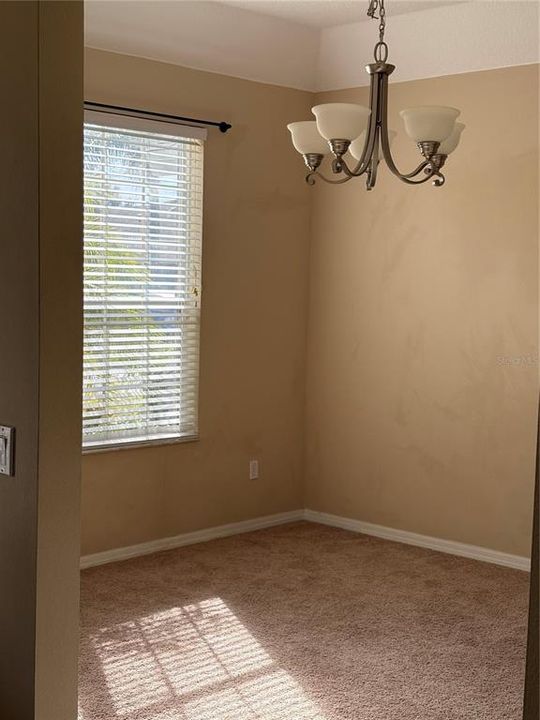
[(358, 137), (341, 120), (307, 139)]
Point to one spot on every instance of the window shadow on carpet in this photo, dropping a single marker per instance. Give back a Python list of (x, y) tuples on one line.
[(196, 662)]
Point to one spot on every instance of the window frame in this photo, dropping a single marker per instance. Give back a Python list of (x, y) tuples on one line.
[(134, 123)]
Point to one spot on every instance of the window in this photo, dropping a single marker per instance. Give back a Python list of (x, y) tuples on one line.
[(142, 279)]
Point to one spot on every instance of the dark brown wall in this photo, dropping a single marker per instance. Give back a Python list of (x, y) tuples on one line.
[(19, 349), (40, 355), (60, 384), (532, 705)]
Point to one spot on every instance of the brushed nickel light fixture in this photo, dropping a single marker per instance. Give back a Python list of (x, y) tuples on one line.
[(364, 133)]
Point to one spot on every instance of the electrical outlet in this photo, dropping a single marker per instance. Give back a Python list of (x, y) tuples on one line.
[(253, 469)]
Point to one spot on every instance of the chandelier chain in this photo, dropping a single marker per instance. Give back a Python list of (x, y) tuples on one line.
[(382, 18), (375, 5), (381, 48)]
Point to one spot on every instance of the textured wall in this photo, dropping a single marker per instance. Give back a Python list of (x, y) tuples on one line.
[(422, 333), (422, 340), (254, 304)]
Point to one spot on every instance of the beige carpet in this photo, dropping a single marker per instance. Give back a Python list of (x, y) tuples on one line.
[(302, 622)]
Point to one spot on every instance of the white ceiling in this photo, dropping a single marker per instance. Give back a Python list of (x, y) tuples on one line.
[(208, 36), (317, 44), (327, 13)]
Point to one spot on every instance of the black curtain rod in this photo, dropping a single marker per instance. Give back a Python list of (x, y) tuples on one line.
[(223, 126)]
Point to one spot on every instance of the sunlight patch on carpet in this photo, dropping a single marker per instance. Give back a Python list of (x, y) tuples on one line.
[(196, 662)]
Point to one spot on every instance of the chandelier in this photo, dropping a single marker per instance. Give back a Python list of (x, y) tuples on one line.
[(362, 133)]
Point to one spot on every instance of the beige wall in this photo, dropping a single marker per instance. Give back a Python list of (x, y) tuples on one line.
[(420, 414), (255, 256), (419, 411)]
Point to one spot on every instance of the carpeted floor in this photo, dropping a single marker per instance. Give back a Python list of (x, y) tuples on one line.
[(302, 622)]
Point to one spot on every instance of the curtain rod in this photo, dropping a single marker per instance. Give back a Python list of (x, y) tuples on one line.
[(223, 126)]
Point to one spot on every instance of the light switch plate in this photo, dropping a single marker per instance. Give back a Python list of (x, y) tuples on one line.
[(253, 469), (7, 446)]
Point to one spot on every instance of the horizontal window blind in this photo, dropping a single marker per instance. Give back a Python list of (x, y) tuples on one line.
[(142, 277)]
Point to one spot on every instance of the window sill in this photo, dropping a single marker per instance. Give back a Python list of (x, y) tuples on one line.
[(113, 447)]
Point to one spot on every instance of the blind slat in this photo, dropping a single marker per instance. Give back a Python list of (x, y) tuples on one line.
[(142, 279)]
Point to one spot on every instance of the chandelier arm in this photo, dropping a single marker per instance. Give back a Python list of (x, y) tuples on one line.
[(311, 178), (423, 166), (364, 163), (426, 165), (360, 169), (439, 179), (369, 146), (429, 170), (374, 163)]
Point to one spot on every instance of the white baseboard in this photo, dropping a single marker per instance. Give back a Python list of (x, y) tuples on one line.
[(402, 536), (474, 552), (191, 538)]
